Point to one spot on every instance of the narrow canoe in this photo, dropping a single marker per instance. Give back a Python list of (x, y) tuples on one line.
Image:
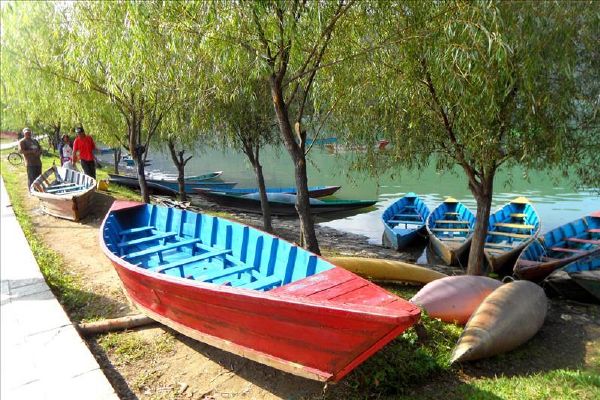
[(280, 203), (174, 177), (559, 247), (191, 185), (507, 318), (387, 270), (455, 298), (313, 191), (166, 187), (404, 221), (64, 193), (250, 293), (579, 280), (450, 227), (510, 229), (132, 182)]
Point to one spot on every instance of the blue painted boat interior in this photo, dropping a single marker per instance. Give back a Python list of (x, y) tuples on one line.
[(511, 226), (204, 248), (581, 235), (452, 221), (404, 217), (585, 264)]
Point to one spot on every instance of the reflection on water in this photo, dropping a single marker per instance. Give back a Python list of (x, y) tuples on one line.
[(556, 202)]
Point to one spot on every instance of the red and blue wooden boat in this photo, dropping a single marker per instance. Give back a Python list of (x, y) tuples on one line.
[(248, 292), (510, 229), (313, 191), (559, 247), (450, 227), (404, 221)]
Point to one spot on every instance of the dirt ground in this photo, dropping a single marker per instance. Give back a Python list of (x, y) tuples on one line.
[(179, 367)]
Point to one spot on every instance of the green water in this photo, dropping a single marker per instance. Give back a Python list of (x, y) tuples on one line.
[(556, 202)]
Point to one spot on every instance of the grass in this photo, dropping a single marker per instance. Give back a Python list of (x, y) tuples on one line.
[(130, 347)]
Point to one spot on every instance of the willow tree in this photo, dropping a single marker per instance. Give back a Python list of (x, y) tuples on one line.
[(483, 85), (289, 40)]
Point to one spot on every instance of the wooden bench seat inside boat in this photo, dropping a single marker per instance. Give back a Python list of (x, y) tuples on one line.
[(136, 230), (158, 236), (450, 229), (452, 221), (585, 241), (595, 230), (407, 222), (518, 215), (499, 245), (514, 226), (65, 190), (161, 248), (190, 260), (509, 234), (567, 250)]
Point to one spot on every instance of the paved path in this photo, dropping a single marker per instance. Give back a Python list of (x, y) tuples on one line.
[(42, 355)]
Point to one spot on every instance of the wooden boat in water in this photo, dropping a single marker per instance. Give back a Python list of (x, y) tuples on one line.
[(250, 293), (165, 186), (280, 203), (559, 247), (64, 193), (313, 191), (404, 221), (578, 280), (450, 227), (510, 229), (173, 177)]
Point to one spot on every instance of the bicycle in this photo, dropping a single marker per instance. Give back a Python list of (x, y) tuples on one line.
[(14, 157)]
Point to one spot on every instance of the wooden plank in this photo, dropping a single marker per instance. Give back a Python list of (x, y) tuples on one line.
[(451, 213), (590, 241), (518, 215), (498, 245), (508, 234), (262, 283), (420, 222), (515, 226), (567, 250), (136, 230), (450, 229), (223, 273), (193, 259), (405, 216), (146, 239), (593, 230), (159, 249), (451, 221)]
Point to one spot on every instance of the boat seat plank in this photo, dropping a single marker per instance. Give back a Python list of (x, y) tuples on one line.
[(158, 236), (262, 283), (450, 229), (452, 239), (160, 249), (64, 189), (494, 251), (514, 226), (400, 216), (518, 215), (587, 241), (189, 260), (509, 234), (136, 230), (593, 230), (499, 245), (205, 277), (407, 222), (59, 185), (451, 213), (567, 250), (451, 221)]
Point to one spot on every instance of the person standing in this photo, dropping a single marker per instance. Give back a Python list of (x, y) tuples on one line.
[(83, 150), (32, 151), (65, 150)]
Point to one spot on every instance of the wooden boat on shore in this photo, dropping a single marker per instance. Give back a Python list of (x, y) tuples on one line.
[(166, 187), (578, 280), (559, 247), (510, 229), (313, 191), (248, 292), (404, 221), (450, 227), (281, 204), (64, 193)]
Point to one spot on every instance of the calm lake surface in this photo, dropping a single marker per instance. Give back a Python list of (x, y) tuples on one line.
[(556, 202)]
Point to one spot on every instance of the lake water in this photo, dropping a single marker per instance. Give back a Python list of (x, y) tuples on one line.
[(556, 202)]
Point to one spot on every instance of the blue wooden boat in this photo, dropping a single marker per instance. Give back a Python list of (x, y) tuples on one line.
[(191, 185), (558, 247), (578, 280), (173, 177), (313, 191), (510, 229), (404, 221), (450, 227), (280, 203), (132, 182), (248, 292)]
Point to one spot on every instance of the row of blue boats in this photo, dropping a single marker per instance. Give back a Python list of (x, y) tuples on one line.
[(512, 245)]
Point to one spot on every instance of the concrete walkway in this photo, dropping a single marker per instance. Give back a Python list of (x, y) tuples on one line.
[(42, 355)]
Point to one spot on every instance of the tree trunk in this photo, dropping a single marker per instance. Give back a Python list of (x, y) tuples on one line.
[(55, 138), (483, 197), (116, 159), (180, 165), (307, 226), (264, 200), (137, 152)]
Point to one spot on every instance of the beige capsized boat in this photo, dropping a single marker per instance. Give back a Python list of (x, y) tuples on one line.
[(387, 270), (507, 318)]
